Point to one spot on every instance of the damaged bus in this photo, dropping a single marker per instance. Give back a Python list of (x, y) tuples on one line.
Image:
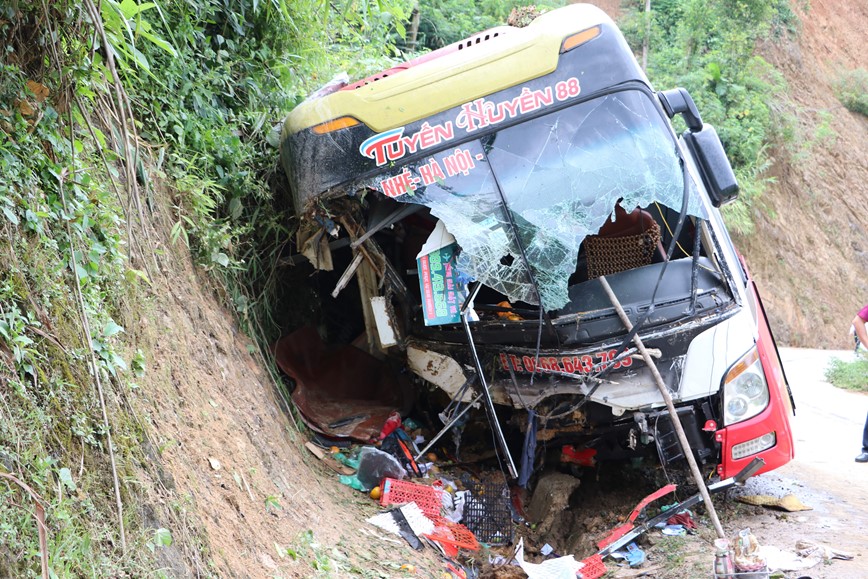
[(477, 201)]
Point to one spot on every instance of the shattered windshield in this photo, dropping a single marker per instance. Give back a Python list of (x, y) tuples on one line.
[(559, 176)]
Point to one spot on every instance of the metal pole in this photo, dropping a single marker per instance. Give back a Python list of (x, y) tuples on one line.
[(489, 403), (676, 423), (447, 426)]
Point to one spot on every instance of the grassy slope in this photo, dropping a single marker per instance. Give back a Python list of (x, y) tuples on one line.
[(122, 375)]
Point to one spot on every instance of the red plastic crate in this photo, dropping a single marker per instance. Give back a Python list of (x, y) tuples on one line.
[(451, 536), (455, 534), (594, 567), (399, 492)]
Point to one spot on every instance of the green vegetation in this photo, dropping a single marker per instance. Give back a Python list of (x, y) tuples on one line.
[(63, 277), (849, 375), (442, 22), (106, 109), (851, 89), (708, 48)]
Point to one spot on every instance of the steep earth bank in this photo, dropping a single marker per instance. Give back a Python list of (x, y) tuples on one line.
[(809, 253), (228, 474)]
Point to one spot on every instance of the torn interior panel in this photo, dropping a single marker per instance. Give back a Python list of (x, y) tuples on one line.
[(343, 391)]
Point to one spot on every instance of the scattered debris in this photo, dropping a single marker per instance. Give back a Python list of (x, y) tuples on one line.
[(375, 465), (748, 558), (723, 563), (783, 561), (486, 510), (806, 548), (340, 392), (632, 554), (455, 505), (625, 533), (352, 481), (214, 463), (453, 512), (328, 460), (807, 554), (560, 568), (403, 448), (674, 530), (682, 519)]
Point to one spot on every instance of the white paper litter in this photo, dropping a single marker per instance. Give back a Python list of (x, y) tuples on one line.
[(560, 568), (419, 523), (807, 548), (455, 510), (780, 560), (386, 522)]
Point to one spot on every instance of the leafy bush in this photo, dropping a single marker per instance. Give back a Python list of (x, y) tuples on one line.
[(64, 274), (851, 88), (442, 22), (98, 101), (708, 48), (849, 375), (235, 70)]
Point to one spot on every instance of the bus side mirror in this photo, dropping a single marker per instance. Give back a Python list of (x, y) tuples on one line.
[(679, 102), (704, 145), (717, 174)]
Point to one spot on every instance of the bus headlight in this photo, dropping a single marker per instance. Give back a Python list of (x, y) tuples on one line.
[(745, 391)]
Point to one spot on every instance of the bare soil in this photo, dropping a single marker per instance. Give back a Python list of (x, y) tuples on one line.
[(809, 253), (227, 473)]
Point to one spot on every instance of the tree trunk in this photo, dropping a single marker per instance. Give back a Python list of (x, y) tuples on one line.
[(647, 34), (414, 28)]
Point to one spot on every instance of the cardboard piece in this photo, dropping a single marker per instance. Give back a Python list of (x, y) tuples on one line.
[(328, 460), (442, 291)]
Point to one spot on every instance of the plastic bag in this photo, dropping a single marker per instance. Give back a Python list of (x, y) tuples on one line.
[(747, 555), (375, 465)]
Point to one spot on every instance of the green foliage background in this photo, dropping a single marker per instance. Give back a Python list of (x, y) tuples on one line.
[(708, 48), (851, 88), (107, 108), (849, 375), (443, 22)]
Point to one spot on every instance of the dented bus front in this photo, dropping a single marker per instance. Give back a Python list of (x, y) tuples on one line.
[(476, 184)]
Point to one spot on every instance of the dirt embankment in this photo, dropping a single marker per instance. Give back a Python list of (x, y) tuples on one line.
[(227, 474), (809, 253)]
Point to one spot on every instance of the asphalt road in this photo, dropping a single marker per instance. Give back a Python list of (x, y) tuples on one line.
[(828, 422), (827, 429)]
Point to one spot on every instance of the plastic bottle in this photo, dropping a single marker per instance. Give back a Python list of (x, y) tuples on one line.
[(723, 565), (392, 422)]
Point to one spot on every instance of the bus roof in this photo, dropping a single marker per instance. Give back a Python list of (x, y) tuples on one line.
[(481, 65), (344, 133)]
